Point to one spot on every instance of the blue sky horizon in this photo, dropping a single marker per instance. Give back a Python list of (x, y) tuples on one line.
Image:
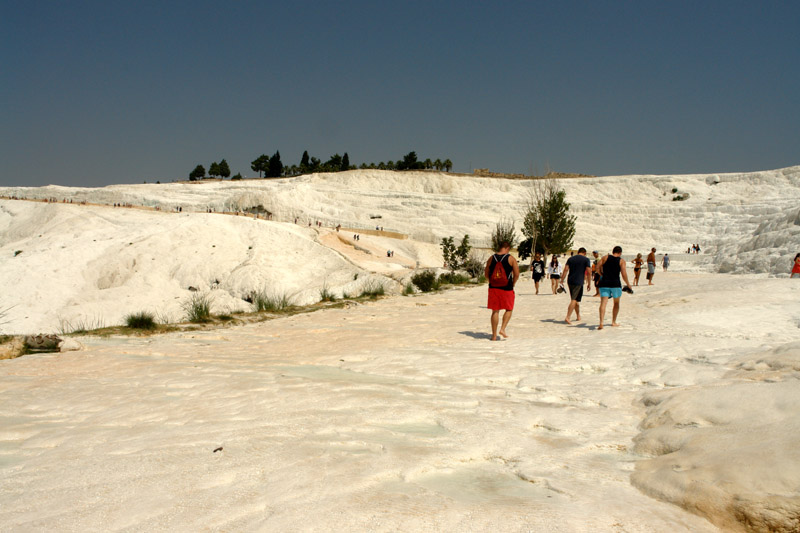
[(97, 93)]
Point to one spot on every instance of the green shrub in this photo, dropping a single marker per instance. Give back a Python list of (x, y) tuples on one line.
[(262, 301), (408, 289), (504, 231), (372, 290), (474, 266), (141, 320), (325, 295), (198, 308), (482, 279), (425, 281), (79, 326), (452, 278)]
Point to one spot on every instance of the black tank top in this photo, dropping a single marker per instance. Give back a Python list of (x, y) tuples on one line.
[(611, 271), (507, 267)]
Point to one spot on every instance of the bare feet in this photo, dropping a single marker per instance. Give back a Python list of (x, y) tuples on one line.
[(567, 321), (494, 338), (600, 326), (503, 333), (615, 324), (578, 318)]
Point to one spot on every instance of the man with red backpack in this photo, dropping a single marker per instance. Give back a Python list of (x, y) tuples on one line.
[(502, 271)]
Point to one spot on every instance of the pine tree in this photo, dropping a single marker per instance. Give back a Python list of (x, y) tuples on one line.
[(224, 169), (275, 167), (304, 164), (198, 173), (260, 164), (345, 162), (213, 169), (547, 223)]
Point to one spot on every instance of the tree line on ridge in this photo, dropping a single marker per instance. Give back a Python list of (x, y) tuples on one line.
[(273, 167)]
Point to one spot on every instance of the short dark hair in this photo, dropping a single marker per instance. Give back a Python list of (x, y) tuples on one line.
[(617, 250), (581, 250), (504, 244)]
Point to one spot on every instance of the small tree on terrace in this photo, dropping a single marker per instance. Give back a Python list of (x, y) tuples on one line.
[(547, 223), (447, 165), (456, 258), (213, 169), (504, 231), (345, 162)]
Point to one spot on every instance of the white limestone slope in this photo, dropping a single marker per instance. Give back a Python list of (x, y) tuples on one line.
[(93, 265), (400, 415)]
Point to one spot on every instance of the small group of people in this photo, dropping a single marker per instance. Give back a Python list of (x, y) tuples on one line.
[(607, 273), (693, 249), (356, 237), (389, 253)]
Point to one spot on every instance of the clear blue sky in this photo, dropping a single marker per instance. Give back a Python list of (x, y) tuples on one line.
[(94, 93)]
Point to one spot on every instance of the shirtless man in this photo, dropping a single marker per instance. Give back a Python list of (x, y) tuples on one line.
[(501, 287), (651, 266), (611, 267)]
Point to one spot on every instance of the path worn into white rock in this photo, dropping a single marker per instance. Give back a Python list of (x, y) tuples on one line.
[(389, 416)]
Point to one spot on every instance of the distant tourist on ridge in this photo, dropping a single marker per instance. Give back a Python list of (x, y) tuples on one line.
[(665, 262), (502, 271), (611, 267)]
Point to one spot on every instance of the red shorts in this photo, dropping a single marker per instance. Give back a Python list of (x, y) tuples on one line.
[(500, 299)]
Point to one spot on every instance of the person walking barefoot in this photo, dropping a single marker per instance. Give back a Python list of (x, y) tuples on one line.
[(502, 271), (577, 270), (651, 266), (611, 268), (555, 273), (637, 269), (595, 272), (537, 267)]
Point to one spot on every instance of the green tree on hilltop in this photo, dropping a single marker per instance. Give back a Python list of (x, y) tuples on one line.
[(305, 166), (224, 169), (213, 169), (198, 173), (275, 167), (260, 164)]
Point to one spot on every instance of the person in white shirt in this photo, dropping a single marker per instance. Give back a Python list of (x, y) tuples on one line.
[(554, 270)]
